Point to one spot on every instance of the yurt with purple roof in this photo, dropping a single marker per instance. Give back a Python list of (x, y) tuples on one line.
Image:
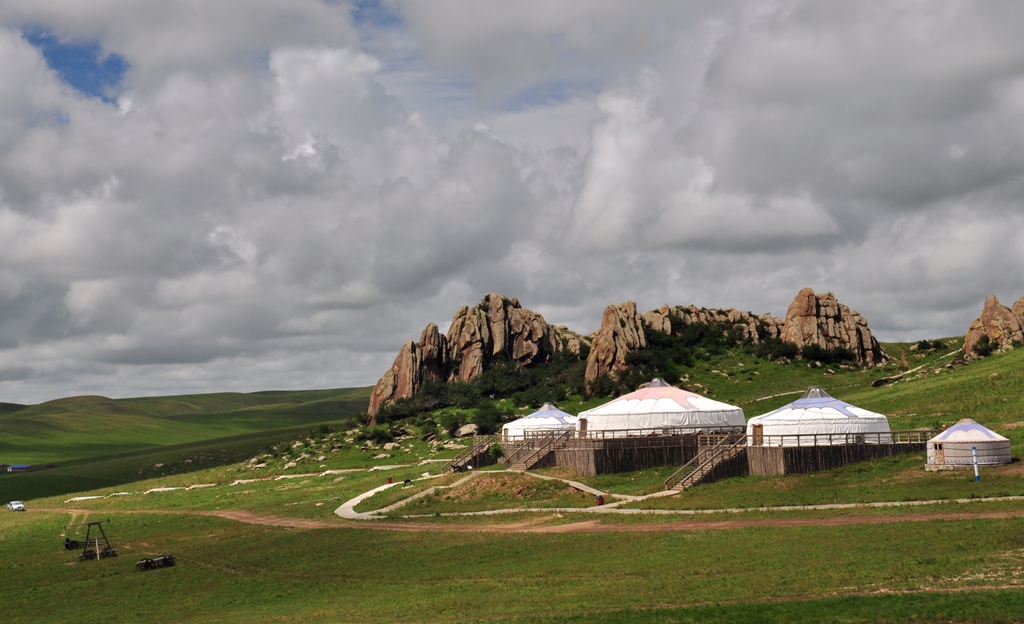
[(548, 418), (955, 447), (818, 419)]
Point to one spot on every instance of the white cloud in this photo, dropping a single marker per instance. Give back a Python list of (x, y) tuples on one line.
[(279, 192)]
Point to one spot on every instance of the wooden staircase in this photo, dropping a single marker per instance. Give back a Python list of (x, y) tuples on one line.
[(527, 457), (475, 455), (713, 452)]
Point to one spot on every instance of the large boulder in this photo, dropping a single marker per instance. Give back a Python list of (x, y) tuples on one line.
[(415, 363), (498, 329), (821, 320), (621, 333), (1002, 325)]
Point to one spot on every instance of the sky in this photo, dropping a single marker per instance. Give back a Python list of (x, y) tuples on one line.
[(248, 195)]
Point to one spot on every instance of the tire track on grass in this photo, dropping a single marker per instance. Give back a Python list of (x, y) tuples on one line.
[(589, 526)]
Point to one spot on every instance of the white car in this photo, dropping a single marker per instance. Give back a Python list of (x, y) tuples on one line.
[(16, 506)]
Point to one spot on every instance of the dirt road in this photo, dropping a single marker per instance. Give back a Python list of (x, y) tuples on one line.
[(589, 526)]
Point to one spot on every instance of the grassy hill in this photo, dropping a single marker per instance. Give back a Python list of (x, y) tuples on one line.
[(92, 426), (941, 563), (96, 441)]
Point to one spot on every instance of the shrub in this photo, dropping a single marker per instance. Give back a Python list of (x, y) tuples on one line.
[(984, 347), (450, 422), (827, 356), (775, 349), (603, 386), (488, 418), (380, 434)]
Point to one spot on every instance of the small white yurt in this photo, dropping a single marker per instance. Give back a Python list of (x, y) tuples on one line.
[(954, 447), (817, 419), (547, 418), (657, 407)]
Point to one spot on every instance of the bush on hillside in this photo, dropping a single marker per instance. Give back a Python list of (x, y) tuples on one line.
[(775, 349), (450, 422), (380, 434), (984, 347), (836, 355), (489, 417)]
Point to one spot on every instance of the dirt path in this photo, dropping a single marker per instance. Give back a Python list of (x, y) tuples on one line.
[(589, 526)]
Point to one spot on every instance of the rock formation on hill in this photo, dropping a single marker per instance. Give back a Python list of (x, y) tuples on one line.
[(621, 333), (498, 329), (667, 320), (1002, 325), (811, 319), (823, 321)]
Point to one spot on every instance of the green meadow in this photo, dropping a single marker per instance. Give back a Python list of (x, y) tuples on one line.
[(159, 467)]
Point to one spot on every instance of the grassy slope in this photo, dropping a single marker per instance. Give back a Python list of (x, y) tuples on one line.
[(86, 427), (233, 572)]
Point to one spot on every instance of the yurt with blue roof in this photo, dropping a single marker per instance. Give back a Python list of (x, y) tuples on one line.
[(817, 419), (955, 448), (547, 418)]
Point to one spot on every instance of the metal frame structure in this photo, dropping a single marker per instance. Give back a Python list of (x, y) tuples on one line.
[(95, 546)]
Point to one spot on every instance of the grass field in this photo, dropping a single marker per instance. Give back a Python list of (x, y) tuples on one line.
[(233, 572), (938, 563)]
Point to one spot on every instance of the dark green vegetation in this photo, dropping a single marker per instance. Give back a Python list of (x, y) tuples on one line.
[(474, 401)]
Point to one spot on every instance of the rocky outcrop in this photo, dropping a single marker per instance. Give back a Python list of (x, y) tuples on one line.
[(811, 319), (621, 333), (744, 325), (415, 363), (1002, 325), (821, 320), (1018, 309), (498, 329)]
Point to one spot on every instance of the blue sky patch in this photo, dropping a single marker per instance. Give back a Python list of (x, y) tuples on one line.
[(81, 64), (373, 13)]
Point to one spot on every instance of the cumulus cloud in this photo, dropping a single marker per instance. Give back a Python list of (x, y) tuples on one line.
[(280, 193)]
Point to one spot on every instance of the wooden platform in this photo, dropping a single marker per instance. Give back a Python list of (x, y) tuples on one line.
[(590, 456), (766, 460), (607, 452)]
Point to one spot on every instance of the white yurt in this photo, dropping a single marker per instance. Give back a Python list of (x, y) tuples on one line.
[(954, 447), (657, 407), (817, 419), (547, 418)]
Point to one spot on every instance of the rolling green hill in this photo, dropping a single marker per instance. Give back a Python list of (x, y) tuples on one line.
[(84, 427)]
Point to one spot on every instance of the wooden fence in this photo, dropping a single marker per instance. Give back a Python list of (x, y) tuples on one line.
[(778, 460), (916, 436)]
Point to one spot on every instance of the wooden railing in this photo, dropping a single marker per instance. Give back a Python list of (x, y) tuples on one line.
[(612, 434), (480, 443), (713, 448), (838, 439), (533, 454), (524, 448)]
